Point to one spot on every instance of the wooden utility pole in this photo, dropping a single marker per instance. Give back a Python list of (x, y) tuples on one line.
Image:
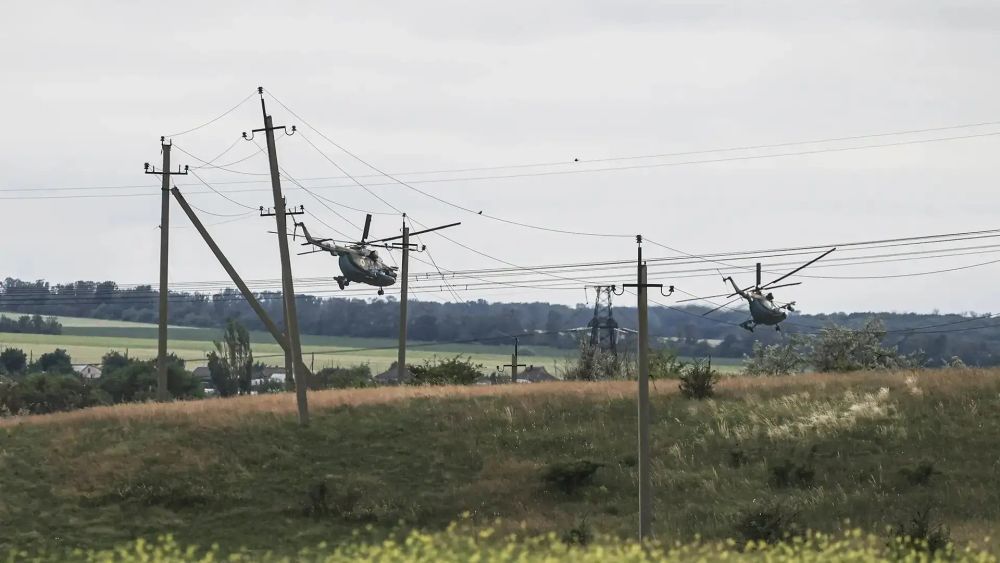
[(287, 286), (404, 268), (162, 392)]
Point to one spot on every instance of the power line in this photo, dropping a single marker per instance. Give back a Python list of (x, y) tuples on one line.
[(213, 120)]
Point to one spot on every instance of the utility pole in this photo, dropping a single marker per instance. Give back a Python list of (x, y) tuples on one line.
[(513, 365), (406, 246), (404, 267), (162, 393), (287, 286), (645, 482), (269, 324)]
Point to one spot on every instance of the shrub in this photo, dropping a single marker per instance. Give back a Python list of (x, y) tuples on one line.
[(842, 349), (664, 363), (920, 474), (453, 371), (57, 361), (571, 476), (769, 524), (790, 473), (355, 377), (698, 380), (921, 532), (13, 360), (594, 364), (777, 359)]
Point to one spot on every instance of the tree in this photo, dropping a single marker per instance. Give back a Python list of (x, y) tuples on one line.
[(57, 361), (231, 364), (137, 380), (663, 364), (113, 361), (841, 349), (13, 360), (783, 358)]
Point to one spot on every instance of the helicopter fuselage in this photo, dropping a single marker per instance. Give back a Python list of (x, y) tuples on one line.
[(361, 267), (764, 311)]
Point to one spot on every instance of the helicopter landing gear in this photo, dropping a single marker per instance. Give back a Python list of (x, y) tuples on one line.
[(748, 325), (777, 328), (341, 281), (381, 291)]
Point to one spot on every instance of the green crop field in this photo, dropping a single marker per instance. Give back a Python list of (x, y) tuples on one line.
[(828, 452), (87, 340)]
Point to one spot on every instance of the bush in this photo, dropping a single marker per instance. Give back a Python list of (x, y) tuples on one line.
[(793, 473), (453, 371), (594, 364), (664, 364), (570, 476), (777, 359), (44, 393), (922, 533), (841, 349), (920, 474), (769, 524), (356, 377), (13, 360), (698, 380)]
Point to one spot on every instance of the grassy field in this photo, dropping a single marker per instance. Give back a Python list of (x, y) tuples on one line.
[(871, 448), (87, 340)]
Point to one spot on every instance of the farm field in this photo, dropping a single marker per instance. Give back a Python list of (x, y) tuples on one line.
[(831, 452), (87, 340)]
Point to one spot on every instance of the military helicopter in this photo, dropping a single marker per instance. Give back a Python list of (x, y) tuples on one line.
[(763, 309), (358, 263)]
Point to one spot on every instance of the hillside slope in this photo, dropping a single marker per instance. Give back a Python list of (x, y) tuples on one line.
[(239, 472)]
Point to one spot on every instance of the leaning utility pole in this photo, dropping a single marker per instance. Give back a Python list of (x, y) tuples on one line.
[(162, 393), (287, 286)]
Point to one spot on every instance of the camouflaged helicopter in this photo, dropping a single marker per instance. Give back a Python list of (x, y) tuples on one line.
[(763, 309), (358, 263)]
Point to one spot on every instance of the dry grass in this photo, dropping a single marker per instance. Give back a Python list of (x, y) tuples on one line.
[(230, 411)]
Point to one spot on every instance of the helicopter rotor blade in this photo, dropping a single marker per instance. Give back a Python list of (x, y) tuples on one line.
[(758, 275), (702, 298), (726, 304), (368, 224), (799, 269), (397, 237), (782, 285)]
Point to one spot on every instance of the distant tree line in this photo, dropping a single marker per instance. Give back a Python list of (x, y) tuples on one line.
[(30, 324), (683, 329)]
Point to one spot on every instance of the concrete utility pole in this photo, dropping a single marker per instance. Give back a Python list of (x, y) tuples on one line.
[(162, 392), (287, 286), (279, 337), (404, 267), (513, 365), (645, 483)]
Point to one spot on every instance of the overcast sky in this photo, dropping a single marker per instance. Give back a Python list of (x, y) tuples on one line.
[(88, 88)]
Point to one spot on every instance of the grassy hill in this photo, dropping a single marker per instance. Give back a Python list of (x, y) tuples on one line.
[(239, 472)]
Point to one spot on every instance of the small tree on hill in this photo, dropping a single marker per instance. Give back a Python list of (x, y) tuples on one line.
[(842, 349), (231, 364)]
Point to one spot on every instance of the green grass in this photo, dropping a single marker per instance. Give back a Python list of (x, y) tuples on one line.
[(87, 340), (241, 473)]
